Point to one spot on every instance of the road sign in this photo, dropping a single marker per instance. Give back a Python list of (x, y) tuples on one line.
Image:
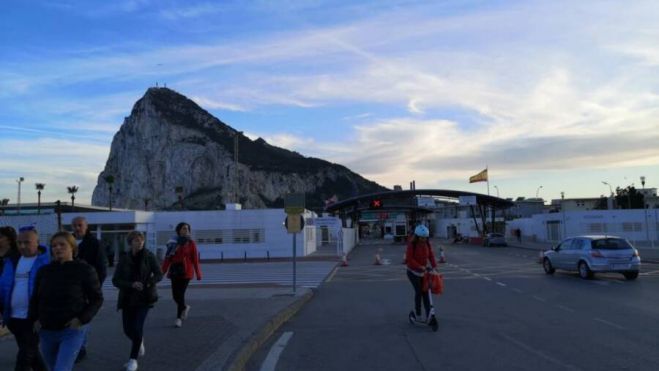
[(294, 203), (294, 223)]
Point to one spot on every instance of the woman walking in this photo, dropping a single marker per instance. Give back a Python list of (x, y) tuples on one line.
[(66, 297), (181, 263), (136, 276)]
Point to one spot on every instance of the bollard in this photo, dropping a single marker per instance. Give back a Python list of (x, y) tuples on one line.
[(245, 255)]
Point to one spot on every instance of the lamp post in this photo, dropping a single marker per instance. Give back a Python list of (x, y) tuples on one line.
[(537, 191), (563, 212), (497, 188), (19, 181), (39, 187), (645, 208)]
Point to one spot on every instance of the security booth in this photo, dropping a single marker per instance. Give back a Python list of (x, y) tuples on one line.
[(393, 214)]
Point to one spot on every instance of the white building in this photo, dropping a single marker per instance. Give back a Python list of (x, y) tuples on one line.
[(219, 234)]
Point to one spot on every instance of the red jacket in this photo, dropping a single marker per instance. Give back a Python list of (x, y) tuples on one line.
[(417, 257), (189, 256)]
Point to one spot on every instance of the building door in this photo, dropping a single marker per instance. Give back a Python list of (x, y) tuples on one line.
[(554, 230)]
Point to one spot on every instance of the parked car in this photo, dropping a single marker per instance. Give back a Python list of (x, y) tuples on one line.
[(494, 239), (590, 254)]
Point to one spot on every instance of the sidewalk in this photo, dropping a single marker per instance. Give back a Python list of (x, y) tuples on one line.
[(225, 326)]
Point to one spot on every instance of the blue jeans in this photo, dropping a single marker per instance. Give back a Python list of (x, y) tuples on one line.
[(60, 348)]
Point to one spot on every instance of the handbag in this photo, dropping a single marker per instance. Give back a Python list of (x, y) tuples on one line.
[(434, 282), (150, 294)]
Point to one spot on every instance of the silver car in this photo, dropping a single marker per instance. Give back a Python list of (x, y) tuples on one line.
[(494, 239), (590, 254)]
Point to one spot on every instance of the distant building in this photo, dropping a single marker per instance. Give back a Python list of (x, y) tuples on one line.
[(525, 207), (579, 204)]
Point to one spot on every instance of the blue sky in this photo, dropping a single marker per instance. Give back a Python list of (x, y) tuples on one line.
[(558, 94)]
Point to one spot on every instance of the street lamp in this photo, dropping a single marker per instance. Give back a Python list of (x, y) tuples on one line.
[(497, 188), (643, 181), (19, 181), (563, 212), (610, 189), (536, 192)]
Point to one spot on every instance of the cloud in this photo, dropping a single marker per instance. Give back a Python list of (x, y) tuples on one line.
[(192, 11)]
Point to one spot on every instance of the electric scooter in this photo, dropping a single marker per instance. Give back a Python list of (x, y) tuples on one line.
[(432, 319)]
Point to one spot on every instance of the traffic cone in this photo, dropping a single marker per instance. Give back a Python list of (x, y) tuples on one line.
[(378, 260), (344, 260)]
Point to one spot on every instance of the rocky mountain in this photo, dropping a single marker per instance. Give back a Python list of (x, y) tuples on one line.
[(170, 154)]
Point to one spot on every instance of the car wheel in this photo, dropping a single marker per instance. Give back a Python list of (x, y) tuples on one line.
[(546, 264), (631, 275), (584, 271)]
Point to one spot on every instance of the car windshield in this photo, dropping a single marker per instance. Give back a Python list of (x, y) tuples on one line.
[(611, 244)]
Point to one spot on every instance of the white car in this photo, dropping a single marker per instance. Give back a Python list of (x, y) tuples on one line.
[(590, 254)]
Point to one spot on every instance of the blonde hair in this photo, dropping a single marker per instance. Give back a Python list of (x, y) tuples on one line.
[(68, 237)]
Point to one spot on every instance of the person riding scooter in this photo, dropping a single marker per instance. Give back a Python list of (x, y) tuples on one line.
[(418, 256)]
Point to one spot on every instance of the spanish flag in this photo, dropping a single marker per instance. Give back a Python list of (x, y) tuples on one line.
[(480, 177)]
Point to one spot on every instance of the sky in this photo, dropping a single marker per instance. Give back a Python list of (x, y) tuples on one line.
[(550, 96)]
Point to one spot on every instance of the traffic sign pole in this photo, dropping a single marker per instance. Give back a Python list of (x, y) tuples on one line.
[(294, 267)]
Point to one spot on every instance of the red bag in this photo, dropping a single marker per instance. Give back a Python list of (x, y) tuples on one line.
[(435, 280), (437, 284)]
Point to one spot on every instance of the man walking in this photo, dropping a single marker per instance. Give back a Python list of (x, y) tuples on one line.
[(16, 289), (90, 251)]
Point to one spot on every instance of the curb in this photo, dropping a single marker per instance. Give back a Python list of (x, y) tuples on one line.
[(240, 358)]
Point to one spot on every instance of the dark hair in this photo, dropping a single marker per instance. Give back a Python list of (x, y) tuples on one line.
[(10, 233), (180, 225)]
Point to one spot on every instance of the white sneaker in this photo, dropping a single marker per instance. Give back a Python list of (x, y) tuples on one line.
[(131, 365), (178, 322), (184, 315), (142, 349)]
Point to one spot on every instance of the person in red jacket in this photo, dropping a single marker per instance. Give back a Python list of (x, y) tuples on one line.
[(181, 263), (418, 257)]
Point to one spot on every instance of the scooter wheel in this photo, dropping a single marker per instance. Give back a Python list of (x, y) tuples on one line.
[(412, 317), (434, 325)]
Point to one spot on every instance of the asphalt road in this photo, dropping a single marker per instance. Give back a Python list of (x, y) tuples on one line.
[(499, 312)]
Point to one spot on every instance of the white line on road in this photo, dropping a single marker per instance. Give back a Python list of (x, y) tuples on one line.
[(567, 309), (518, 291), (609, 323), (487, 278), (271, 360), (539, 299), (501, 284), (539, 353)]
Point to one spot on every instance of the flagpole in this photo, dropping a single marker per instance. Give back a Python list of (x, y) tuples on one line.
[(488, 180)]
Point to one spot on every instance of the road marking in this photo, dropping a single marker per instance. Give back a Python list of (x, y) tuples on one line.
[(567, 309), (609, 323), (539, 353), (476, 275), (539, 299), (487, 278), (518, 291), (501, 284), (271, 360), (331, 275)]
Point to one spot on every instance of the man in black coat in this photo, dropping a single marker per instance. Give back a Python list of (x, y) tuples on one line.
[(90, 251)]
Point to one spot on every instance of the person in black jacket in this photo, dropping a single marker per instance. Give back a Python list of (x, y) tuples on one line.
[(136, 276), (66, 297), (8, 245), (89, 251)]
